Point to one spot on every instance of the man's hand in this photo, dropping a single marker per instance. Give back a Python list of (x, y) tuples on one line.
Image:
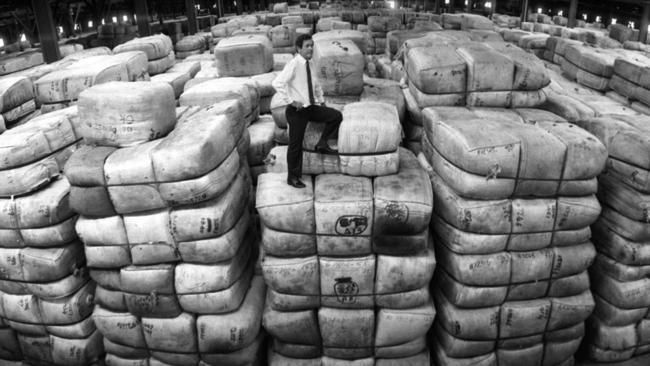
[(297, 105)]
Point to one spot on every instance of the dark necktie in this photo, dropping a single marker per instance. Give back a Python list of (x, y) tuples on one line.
[(309, 86)]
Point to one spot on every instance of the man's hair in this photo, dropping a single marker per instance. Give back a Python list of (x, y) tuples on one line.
[(301, 39)]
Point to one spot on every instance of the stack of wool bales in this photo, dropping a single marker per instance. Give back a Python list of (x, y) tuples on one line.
[(619, 277), (556, 48), (339, 65), (514, 195), (264, 30), (163, 198), (450, 73), (61, 88), (359, 38), (244, 55), (283, 38), (534, 43), (623, 33), (265, 90), (262, 140), (46, 296), (348, 259), (506, 21), (379, 26), (355, 17), (16, 100), (207, 92), (159, 50), (179, 75), (190, 45), (19, 61), (589, 66), (328, 23), (631, 79)]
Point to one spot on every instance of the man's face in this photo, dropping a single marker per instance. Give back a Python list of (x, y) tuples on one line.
[(307, 49)]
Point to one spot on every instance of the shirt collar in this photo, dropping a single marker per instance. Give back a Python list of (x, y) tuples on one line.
[(300, 58)]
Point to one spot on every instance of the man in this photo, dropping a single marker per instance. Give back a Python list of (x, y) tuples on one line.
[(299, 89)]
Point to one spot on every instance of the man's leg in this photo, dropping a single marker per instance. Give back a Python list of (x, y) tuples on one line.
[(297, 123), (331, 117)]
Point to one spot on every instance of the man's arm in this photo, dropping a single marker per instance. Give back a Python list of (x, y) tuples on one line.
[(280, 82)]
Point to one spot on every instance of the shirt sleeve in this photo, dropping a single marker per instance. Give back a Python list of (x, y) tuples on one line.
[(280, 82)]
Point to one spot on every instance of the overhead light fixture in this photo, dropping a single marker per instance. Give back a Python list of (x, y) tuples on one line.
[(613, 20), (539, 10), (103, 22), (598, 19), (90, 24), (630, 24), (488, 4), (2, 42), (446, 2), (114, 19), (23, 38), (584, 16), (560, 13), (124, 18), (60, 29)]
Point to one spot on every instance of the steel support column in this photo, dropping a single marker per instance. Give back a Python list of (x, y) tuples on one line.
[(645, 21), (524, 10), (190, 10), (142, 12), (46, 30), (573, 13), (493, 7)]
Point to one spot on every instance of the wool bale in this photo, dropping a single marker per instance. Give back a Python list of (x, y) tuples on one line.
[(156, 46), (33, 153), (569, 167), (137, 66), (14, 92), (339, 66), (283, 35), (66, 84), (342, 34), (129, 124), (244, 55)]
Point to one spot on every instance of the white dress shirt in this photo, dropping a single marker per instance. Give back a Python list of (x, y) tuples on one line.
[(291, 83)]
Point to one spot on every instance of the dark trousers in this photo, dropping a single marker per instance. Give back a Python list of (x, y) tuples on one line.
[(297, 120)]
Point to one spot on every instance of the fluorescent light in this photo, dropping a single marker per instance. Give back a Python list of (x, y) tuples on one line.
[(114, 19), (23, 38), (446, 2), (584, 16), (465, 2), (560, 13), (488, 4), (598, 19), (539, 10), (2, 42), (613, 20), (124, 18), (103, 22), (90, 24)]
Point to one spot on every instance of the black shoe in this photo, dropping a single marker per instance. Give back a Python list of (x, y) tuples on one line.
[(324, 149), (295, 182)]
